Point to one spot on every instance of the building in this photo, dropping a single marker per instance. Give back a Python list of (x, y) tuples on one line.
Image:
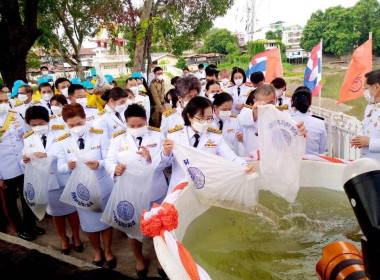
[(164, 58), (296, 55), (291, 37), (208, 58)]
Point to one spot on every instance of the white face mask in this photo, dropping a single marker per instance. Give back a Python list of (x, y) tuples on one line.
[(56, 110), (200, 127), (45, 73), (278, 92), (41, 129), (121, 108), (140, 88), (224, 115), (47, 96), (137, 132), (82, 101), (22, 97), (65, 92), (368, 96), (135, 90), (225, 81), (185, 103), (238, 82), (211, 97), (4, 107), (160, 77), (78, 131)]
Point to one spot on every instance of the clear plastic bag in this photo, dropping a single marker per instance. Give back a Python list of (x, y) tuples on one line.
[(82, 189), (129, 197)]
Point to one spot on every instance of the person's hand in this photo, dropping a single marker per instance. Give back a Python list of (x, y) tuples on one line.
[(25, 159), (255, 110), (71, 164), (119, 169), (239, 106), (40, 155), (92, 164), (249, 169), (145, 153), (2, 185), (302, 129), (239, 136), (168, 146), (360, 141)]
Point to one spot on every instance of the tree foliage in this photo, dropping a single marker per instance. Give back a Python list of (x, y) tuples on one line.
[(181, 63), (32, 60), (273, 35), (221, 41)]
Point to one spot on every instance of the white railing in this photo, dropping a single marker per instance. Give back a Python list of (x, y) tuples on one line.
[(341, 128)]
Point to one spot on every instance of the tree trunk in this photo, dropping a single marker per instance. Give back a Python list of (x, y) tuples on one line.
[(140, 44), (149, 41)]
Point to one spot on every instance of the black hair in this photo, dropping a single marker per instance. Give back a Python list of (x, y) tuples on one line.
[(156, 69), (44, 67), (173, 81), (257, 77), (74, 87), (221, 98), (116, 93), (60, 98), (195, 105), (301, 100), (278, 83), (238, 70), (60, 80), (114, 83), (302, 88), (174, 97), (211, 66), (212, 72), (251, 98), (129, 79), (45, 85), (210, 83), (36, 112), (154, 62), (186, 68), (373, 77), (201, 66), (134, 110)]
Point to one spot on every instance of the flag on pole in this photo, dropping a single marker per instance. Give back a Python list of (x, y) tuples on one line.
[(361, 63), (313, 71), (268, 62)]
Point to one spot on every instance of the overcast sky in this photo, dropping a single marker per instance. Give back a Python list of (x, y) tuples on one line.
[(290, 11)]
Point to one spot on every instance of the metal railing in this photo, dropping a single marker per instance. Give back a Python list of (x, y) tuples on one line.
[(341, 128)]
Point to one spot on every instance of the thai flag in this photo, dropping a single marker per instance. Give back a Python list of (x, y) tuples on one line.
[(313, 72), (268, 62)]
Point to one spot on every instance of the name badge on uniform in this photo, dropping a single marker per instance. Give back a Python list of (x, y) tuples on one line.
[(211, 144), (32, 145), (151, 145), (16, 124), (70, 150), (95, 147), (231, 130), (91, 118), (125, 148)]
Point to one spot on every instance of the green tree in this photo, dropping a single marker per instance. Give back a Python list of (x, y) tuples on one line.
[(32, 60), (181, 63), (273, 35), (221, 41)]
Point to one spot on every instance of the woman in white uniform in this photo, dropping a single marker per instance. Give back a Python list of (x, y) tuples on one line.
[(141, 144), (197, 133), (41, 140), (94, 142), (239, 90), (212, 88), (56, 104)]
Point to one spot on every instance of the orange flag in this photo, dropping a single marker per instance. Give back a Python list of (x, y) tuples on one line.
[(361, 63), (274, 65)]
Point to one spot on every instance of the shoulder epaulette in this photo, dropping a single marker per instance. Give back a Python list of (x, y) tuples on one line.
[(211, 129), (118, 133), (233, 116), (142, 94), (52, 117), (26, 135), (283, 107), (223, 91), (248, 106), (64, 136), (154, 128), (231, 85), (102, 112), (248, 93), (58, 127), (35, 102), (12, 111), (249, 85), (176, 128), (18, 103), (167, 113), (96, 130), (288, 95), (60, 115), (91, 107)]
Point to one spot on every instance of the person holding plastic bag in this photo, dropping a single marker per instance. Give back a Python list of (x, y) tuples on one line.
[(197, 132), (41, 143), (94, 143), (138, 148), (228, 123)]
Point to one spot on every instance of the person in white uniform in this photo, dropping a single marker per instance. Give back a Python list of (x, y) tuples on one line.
[(317, 139), (368, 139), (187, 88), (239, 90), (140, 143), (62, 85), (211, 75), (57, 102), (200, 74), (197, 133), (42, 142), (283, 99), (212, 88), (225, 79), (95, 142), (46, 90), (24, 100), (111, 118)]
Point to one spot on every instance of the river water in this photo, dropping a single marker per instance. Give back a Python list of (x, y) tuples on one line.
[(282, 241)]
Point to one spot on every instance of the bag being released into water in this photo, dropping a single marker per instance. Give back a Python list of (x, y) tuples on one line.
[(281, 151)]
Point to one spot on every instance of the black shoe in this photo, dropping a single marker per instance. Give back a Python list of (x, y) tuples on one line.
[(67, 250), (26, 236), (142, 273), (78, 248), (162, 273), (111, 264), (39, 231), (99, 263)]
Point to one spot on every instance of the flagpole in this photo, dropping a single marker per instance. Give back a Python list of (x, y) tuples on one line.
[(320, 91)]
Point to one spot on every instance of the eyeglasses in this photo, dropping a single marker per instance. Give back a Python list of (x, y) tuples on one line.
[(369, 87), (203, 120)]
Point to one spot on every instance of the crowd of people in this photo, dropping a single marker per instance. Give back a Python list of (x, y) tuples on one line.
[(215, 111)]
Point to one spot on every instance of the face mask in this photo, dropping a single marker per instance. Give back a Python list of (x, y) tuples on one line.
[(121, 108), (78, 131), (238, 82), (368, 96), (45, 73), (135, 90), (82, 101), (140, 88), (41, 129), (56, 110), (279, 93), (65, 92), (226, 81), (160, 77), (137, 132), (200, 127), (22, 97), (211, 97), (185, 103), (224, 115), (4, 107), (46, 96)]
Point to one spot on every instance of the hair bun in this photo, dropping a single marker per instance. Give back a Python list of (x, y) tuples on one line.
[(106, 95)]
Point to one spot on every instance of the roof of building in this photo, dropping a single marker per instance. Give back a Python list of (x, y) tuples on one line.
[(86, 51), (207, 55)]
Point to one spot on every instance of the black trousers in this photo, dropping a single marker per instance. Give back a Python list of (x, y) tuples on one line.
[(12, 192)]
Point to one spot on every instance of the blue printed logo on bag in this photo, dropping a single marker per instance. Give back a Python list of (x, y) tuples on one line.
[(83, 194), (125, 211), (197, 177), (29, 194)]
